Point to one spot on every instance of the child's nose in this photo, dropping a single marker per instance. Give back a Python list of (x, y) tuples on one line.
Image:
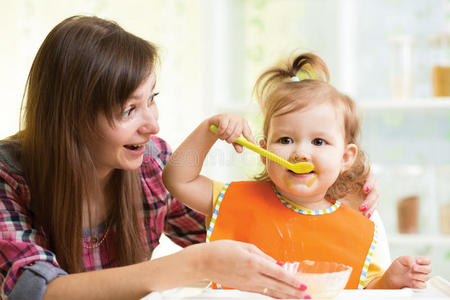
[(300, 156)]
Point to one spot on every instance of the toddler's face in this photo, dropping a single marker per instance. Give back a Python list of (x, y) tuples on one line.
[(314, 134)]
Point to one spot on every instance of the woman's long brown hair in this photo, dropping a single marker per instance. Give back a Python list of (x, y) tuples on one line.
[(85, 66)]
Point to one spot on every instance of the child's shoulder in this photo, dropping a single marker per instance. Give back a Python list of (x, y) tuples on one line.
[(354, 214)]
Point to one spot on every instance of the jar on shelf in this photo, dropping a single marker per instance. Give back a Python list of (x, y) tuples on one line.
[(443, 198), (410, 193), (408, 214), (441, 65), (401, 66)]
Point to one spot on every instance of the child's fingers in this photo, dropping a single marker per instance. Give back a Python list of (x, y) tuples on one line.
[(230, 128), (416, 284), (222, 127), (425, 269), (423, 260), (235, 134), (420, 277), (238, 148), (231, 132), (248, 134), (407, 261)]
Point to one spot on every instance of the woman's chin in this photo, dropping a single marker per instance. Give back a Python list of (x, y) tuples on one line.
[(131, 165)]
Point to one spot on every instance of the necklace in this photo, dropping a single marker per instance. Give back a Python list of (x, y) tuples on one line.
[(94, 243)]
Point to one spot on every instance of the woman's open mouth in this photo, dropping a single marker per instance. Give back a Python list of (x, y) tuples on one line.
[(136, 149)]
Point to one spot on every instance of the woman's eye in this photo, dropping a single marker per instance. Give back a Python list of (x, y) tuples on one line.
[(319, 142), (152, 98), (127, 113), (285, 140)]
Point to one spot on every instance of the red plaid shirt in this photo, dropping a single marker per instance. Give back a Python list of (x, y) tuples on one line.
[(22, 245)]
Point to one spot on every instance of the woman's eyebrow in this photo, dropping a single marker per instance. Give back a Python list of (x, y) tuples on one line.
[(138, 96), (135, 97)]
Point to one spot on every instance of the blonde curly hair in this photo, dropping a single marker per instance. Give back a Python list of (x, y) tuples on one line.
[(300, 83)]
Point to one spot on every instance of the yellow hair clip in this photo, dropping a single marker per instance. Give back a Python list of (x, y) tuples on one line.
[(306, 73)]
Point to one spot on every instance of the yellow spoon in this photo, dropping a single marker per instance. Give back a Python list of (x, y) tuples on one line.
[(300, 167)]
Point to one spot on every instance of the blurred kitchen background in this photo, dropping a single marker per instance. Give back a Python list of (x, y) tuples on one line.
[(391, 56)]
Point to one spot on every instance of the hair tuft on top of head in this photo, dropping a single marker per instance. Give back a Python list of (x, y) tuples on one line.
[(309, 66), (306, 66)]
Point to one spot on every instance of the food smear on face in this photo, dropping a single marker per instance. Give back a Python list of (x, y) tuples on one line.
[(311, 181), (287, 181)]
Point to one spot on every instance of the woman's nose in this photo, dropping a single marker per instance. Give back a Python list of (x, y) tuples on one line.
[(150, 123)]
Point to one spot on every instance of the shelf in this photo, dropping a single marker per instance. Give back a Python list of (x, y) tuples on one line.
[(414, 104), (364, 105), (419, 239), (237, 108)]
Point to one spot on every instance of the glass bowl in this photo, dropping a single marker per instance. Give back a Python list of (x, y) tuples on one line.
[(323, 279)]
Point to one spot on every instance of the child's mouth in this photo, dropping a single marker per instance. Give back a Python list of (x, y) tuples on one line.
[(310, 177), (312, 172)]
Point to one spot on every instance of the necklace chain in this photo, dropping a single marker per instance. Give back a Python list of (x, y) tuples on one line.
[(98, 243)]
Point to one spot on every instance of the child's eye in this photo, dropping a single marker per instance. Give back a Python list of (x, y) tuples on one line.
[(127, 113), (285, 140), (152, 98), (319, 142)]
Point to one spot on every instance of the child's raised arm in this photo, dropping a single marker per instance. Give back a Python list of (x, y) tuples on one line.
[(182, 176)]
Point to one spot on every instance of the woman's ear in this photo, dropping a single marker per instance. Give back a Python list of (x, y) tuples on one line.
[(262, 144), (349, 157)]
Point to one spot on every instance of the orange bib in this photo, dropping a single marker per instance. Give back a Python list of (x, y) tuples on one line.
[(251, 212)]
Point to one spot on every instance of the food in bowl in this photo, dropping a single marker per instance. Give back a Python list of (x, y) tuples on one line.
[(323, 279)]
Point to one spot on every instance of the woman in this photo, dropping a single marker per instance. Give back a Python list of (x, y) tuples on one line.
[(81, 188)]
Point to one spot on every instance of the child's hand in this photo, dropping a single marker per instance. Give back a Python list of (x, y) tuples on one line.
[(408, 271), (230, 128)]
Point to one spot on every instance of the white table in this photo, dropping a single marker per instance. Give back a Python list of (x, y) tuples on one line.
[(437, 289)]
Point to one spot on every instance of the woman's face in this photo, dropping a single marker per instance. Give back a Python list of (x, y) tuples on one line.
[(122, 145)]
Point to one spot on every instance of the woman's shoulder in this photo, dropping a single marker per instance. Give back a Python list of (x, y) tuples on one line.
[(10, 151), (157, 147), (156, 155), (13, 185)]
